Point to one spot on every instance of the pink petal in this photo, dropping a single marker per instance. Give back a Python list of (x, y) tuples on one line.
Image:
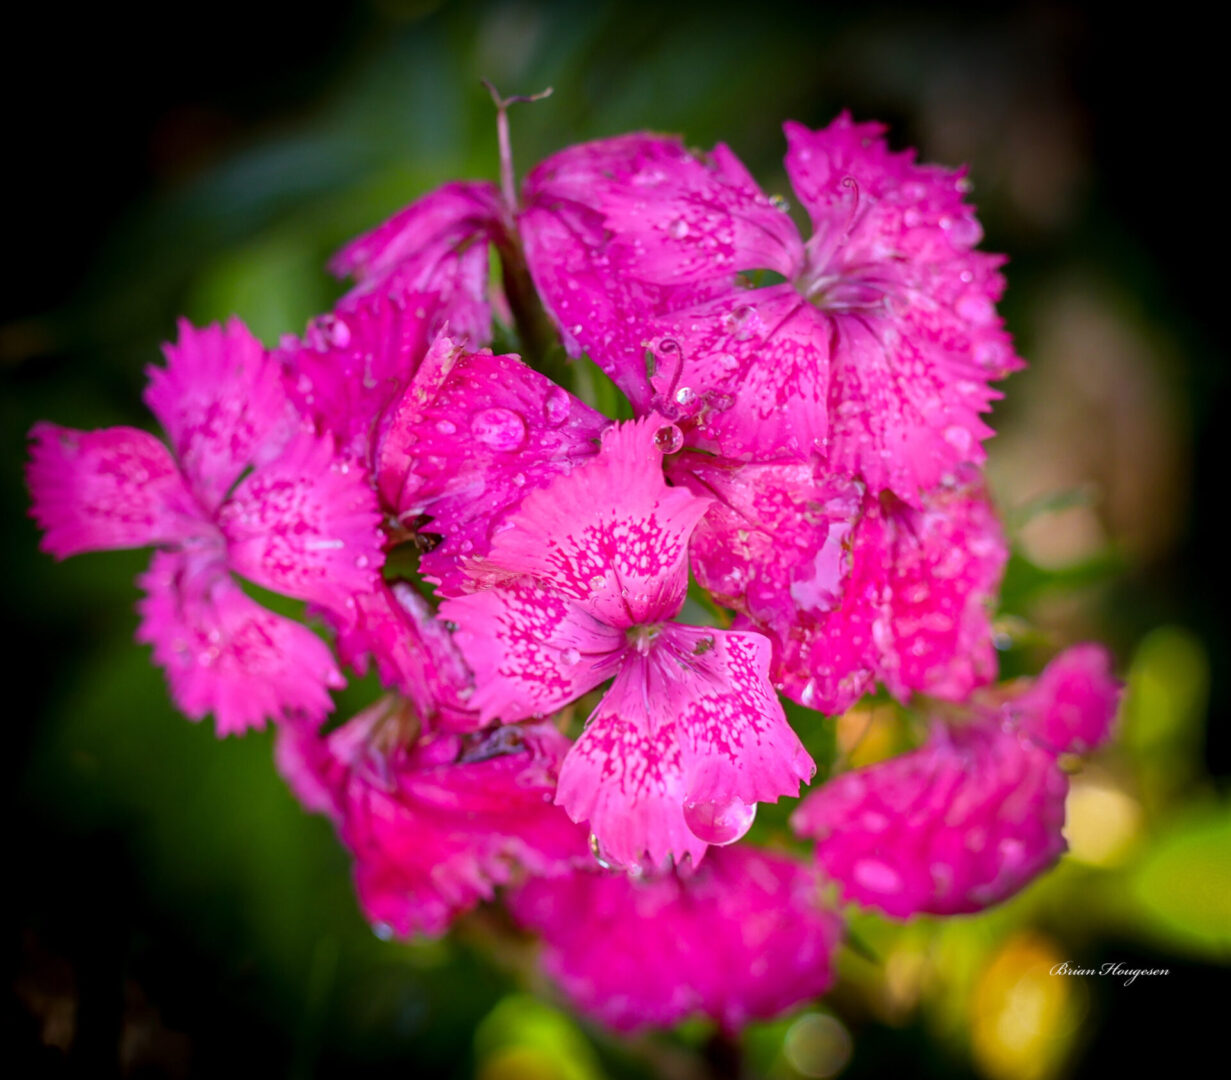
[(352, 364), (910, 306), (591, 270), (469, 438), (306, 525), (689, 219), (745, 936), (439, 245), (435, 827), (750, 370), (115, 488), (954, 827), (685, 743), (220, 399), (610, 535), (1072, 704), (532, 652), (227, 655), (852, 590), (414, 653)]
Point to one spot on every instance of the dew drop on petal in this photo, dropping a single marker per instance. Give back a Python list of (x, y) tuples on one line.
[(678, 229), (556, 406), (685, 395), (499, 428), (669, 439), (383, 931), (959, 438), (446, 427), (877, 877), (571, 657), (719, 822)]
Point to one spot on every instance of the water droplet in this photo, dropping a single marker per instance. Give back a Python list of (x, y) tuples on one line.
[(719, 402), (519, 479), (685, 395), (678, 229), (556, 406), (780, 202), (499, 428), (877, 877), (669, 439), (727, 361), (597, 582), (446, 427), (740, 322), (976, 308), (362, 562), (959, 438), (719, 822), (571, 657), (383, 931)]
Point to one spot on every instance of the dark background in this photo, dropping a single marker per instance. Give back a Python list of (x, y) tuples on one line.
[(174, 913)]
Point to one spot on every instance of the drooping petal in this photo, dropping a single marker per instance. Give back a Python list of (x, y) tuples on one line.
[(852, 589), (911, 307), (435, 825), (1071, 705), (438, 244), (352, 364), (687, 741), (745, 936), (960, 824), (750, 370), (414, 653), (114, 488), (610, 535), (224, 653), (306, 525), (472, 435), (775, 544), (532, 652), (222, 403)]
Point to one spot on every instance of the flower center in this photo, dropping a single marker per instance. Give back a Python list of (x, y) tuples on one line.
[(641, 638)]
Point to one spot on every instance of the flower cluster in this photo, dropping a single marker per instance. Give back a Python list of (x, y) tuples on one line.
[(805, 446)]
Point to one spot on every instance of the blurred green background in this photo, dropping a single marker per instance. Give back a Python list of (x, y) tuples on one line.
[(176, 914)]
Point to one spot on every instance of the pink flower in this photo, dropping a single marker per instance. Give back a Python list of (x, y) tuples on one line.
[(471, 436), (975, 814), (578, 587), (438, 245), (744, 936), (247, 492), (852, 589), (875, 354), (435, 820), (352, 364)]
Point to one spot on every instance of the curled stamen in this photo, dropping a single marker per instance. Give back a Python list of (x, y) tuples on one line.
[(669, 346)]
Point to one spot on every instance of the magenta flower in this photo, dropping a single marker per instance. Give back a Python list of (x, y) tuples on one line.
[(579, 586), (744, 936), (852, 589), (351, 364), (876, 352), (436, 246), (975, 814), (247, 492), (435, 820), (471, 436)]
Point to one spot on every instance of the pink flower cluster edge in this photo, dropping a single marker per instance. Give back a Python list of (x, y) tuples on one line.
[(556, 731)]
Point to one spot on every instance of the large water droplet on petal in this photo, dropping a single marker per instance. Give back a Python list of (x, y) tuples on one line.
[(669, 439), (556, 406), (501, 429), (721, 821), (678, 229), (446, 427)]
